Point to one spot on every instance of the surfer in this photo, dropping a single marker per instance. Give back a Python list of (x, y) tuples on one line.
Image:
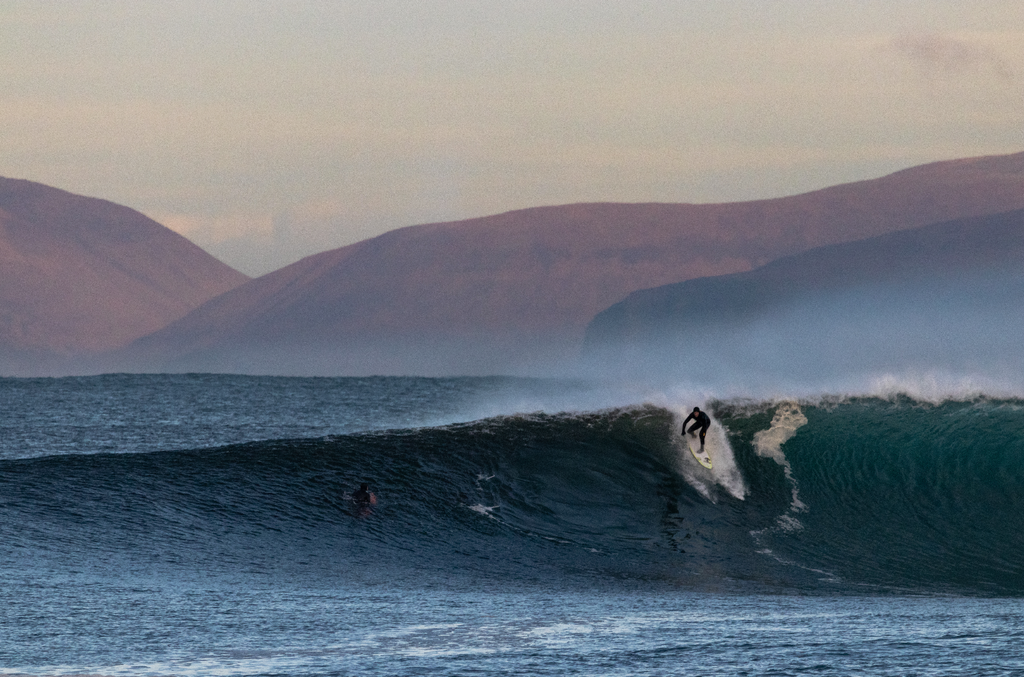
[(363, 496), (700, 420)]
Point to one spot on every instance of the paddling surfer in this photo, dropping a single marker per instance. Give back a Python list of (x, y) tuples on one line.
[(700, 420), (363, 496)]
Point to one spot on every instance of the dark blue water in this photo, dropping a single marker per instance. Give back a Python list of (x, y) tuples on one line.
[(158, 525)]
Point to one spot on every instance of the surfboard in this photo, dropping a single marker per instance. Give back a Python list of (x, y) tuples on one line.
[(702, 456)]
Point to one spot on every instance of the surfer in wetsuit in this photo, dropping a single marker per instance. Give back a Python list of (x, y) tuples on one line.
[(700, 420)]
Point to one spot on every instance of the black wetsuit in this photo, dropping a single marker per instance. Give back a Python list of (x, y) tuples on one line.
[(702, 421)]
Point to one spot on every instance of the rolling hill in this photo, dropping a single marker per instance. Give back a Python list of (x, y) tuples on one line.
[(930, 299), (79, 276), (514, 292)]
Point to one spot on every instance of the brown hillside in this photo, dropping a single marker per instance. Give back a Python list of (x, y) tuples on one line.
[(500, 292), (79, 274)]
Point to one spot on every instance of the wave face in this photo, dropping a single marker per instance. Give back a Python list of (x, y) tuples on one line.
[(520, 495), (900, 493), (849, 495)]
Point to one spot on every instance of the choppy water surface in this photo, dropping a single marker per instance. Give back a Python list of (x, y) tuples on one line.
[(280, 630), (202, 525)]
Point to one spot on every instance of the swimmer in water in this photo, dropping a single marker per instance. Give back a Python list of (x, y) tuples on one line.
[(363, 496)]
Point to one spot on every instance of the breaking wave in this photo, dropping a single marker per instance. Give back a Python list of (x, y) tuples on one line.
[(850, 494)]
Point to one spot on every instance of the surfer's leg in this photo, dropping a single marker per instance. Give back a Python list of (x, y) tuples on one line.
[(703, 433)]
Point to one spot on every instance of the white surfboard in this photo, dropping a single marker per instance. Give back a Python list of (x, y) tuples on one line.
[(701, 454)]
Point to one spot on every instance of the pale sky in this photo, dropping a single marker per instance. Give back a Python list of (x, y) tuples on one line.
[(267, 130)]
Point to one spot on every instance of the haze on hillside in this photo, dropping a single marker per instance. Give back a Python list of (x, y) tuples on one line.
[(506, 294), (931, 311), (513, 293)]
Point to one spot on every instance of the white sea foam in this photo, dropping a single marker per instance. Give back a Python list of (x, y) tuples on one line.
[(787, 420), (484, 509)]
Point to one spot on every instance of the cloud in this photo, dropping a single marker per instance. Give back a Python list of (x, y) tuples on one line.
[(213, 229), (944, 55), (257, 243)]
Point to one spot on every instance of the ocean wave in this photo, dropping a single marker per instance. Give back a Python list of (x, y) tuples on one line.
[(844, 493)]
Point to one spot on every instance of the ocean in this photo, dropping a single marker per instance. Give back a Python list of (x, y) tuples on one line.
[(203, 525)]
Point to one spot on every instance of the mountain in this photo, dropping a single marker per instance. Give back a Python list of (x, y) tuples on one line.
[(80, 275), (513, 293), (937, 297)]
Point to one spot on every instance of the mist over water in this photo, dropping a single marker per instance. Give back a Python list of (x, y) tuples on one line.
[(934, 339)]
